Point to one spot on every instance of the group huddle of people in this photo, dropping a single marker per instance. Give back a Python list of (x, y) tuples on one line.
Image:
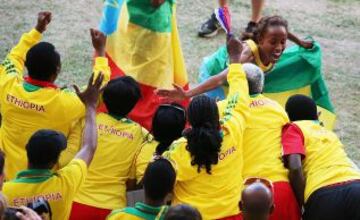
[(244, 157)]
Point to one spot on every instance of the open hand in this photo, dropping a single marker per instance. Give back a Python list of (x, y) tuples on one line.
[(98, 40), (234, 48), (157, 3), (44, 18), (91, 94), (176, 94), (27, 214)]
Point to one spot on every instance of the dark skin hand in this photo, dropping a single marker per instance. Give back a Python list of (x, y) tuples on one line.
[(157, 3), (98, 40), (90, 98), (296, 176), (44, 18), (235, 49)]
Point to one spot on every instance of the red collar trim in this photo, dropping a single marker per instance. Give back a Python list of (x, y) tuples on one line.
[(40, 83)]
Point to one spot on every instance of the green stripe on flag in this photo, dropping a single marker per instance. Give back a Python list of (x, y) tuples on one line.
[(142, 13), (296, 69)]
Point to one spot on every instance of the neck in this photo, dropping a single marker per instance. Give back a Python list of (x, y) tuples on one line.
[(264, 59), (154, 203)]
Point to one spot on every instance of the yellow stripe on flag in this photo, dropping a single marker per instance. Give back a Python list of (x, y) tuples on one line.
[(152, 58), (326, 117)]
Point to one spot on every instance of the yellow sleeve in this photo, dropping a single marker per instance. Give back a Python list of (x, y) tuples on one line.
[(238, 100), (73, 176), (102, 65), (74, 141), (143, 159), (15, 60)]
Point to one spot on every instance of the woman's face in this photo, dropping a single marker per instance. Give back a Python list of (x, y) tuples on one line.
[(273, 43)]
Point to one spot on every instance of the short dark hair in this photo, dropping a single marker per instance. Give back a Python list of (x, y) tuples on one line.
[(159, 179), (44, 148), (2, 162), (183, 212), (301, 107), (42, 61), (121, 95), (167, 125)]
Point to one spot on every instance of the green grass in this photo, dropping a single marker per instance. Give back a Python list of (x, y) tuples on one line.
[(334, 23)]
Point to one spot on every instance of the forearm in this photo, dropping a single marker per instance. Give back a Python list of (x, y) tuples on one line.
[(208, 85), (297, 182), (296, 176), (294, 38), (89, 137)]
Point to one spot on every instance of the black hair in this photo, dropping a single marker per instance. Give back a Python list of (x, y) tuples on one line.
[(44, 148), (263, 25), (183, 212), (204, 138), (42, 61), (159, 179), (301, 107), (121, 95), (2, 162), (167, 125)]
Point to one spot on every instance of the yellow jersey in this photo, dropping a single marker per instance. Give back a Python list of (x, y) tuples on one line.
[(58, 188), (26, 108), (141, 211), (119, 139), (262, 140), (144, 157), (216, 195), (325, 162)]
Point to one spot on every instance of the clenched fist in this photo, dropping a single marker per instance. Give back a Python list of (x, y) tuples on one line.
[(44, 18)]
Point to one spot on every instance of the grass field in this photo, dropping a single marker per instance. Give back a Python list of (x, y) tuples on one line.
[(334, 23)]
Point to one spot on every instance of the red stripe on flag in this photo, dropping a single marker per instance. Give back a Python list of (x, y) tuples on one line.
[(147, 105)]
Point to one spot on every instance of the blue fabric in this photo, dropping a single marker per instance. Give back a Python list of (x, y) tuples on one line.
[(110, 17)]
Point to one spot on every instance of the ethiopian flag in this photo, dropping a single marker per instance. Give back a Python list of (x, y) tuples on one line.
[(299, 71), (143, 42)]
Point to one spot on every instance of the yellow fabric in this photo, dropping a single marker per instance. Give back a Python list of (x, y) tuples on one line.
[(118, 142), (152, 58), (255, 51), (144, 157), (325, 162), (25, 112), (262, 140), (59, 189), (326, 117), (216, 195)]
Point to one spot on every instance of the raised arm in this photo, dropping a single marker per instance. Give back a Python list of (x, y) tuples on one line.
[(298, 41), (90, 98), (179, 94), (98, 40), (15, 60)]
